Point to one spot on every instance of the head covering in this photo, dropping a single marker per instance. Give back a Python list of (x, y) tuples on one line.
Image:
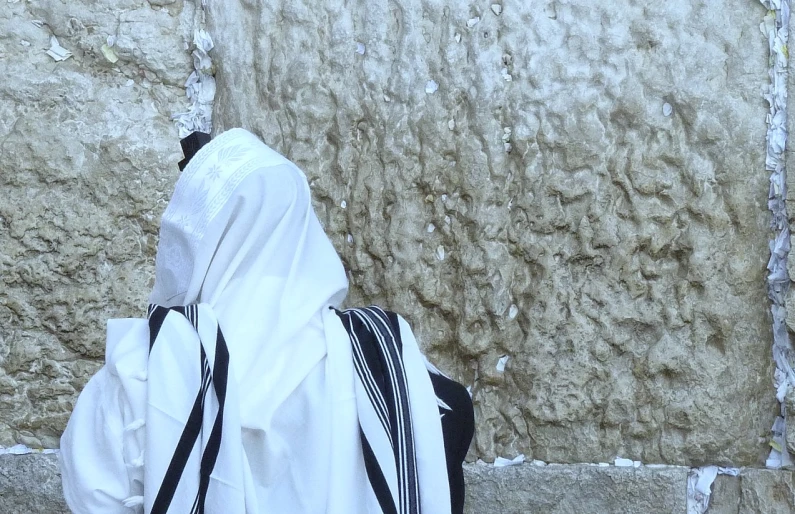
[(241, 248), (240, 235)]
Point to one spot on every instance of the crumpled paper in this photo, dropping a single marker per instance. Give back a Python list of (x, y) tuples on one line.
[(199, 88), (202, 43), (501, 462), (21, 449), (108, 51), (699, 486), (56, 51), (775, 26)]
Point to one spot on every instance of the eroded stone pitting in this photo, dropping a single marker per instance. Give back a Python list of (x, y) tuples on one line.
[(629, 236), (87, 160), (612, 248)]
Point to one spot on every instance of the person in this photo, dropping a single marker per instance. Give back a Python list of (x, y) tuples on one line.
[(247, 389)]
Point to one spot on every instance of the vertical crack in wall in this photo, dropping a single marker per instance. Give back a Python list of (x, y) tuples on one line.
[(200, 86), (775, 27)]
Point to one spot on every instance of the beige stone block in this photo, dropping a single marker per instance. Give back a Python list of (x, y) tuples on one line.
[(726, 494), (602, 213), (88, 157), (31, 484), (754, 491), (557, 489), (765, 491)]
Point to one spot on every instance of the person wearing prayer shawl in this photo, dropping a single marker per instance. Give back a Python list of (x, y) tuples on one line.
[(246, 389)]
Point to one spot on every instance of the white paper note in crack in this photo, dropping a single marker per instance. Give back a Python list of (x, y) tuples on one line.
[(699, 487), (56, 51), (199, 88), (21, 449), (203, 44), (501, 462), (775, 25)]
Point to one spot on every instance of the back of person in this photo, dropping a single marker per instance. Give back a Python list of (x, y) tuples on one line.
[(246, 389)]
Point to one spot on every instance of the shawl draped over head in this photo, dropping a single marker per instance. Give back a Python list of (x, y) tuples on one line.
[(245, 279)]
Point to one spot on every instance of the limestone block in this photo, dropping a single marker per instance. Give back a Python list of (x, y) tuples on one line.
[(31, 484), (150, 42), (764, 491), (755, 491), (87, 160), (726, 494), (564, 489), (576, 185)]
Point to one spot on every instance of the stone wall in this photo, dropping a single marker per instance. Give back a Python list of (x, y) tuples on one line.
[(576, 186), (87, 161), (30, 484)]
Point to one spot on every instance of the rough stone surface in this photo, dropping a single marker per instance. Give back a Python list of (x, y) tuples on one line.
[(614, 248), (87, 159), (557, 489), (755, 491), (789, 402), (31, 484), (726, 493), (766, 491)]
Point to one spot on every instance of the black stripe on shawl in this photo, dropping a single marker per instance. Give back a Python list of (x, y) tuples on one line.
[(193, 425), (180, 458), (372, 378), (392, 327), (157, 315), (376, 477), (391, 344), (375, 362), (375, 334), (219, 379)]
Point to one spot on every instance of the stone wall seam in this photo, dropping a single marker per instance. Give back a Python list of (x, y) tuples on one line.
[(200, 86), (776, 26), (699, 486)]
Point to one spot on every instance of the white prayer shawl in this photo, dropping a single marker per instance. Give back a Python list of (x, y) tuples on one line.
[(241, 245)]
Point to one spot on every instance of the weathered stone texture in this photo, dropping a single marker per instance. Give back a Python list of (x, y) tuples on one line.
[(614, 253), (559, 489), (31, 484), (755, 491), (87, 159), (789, 404)]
